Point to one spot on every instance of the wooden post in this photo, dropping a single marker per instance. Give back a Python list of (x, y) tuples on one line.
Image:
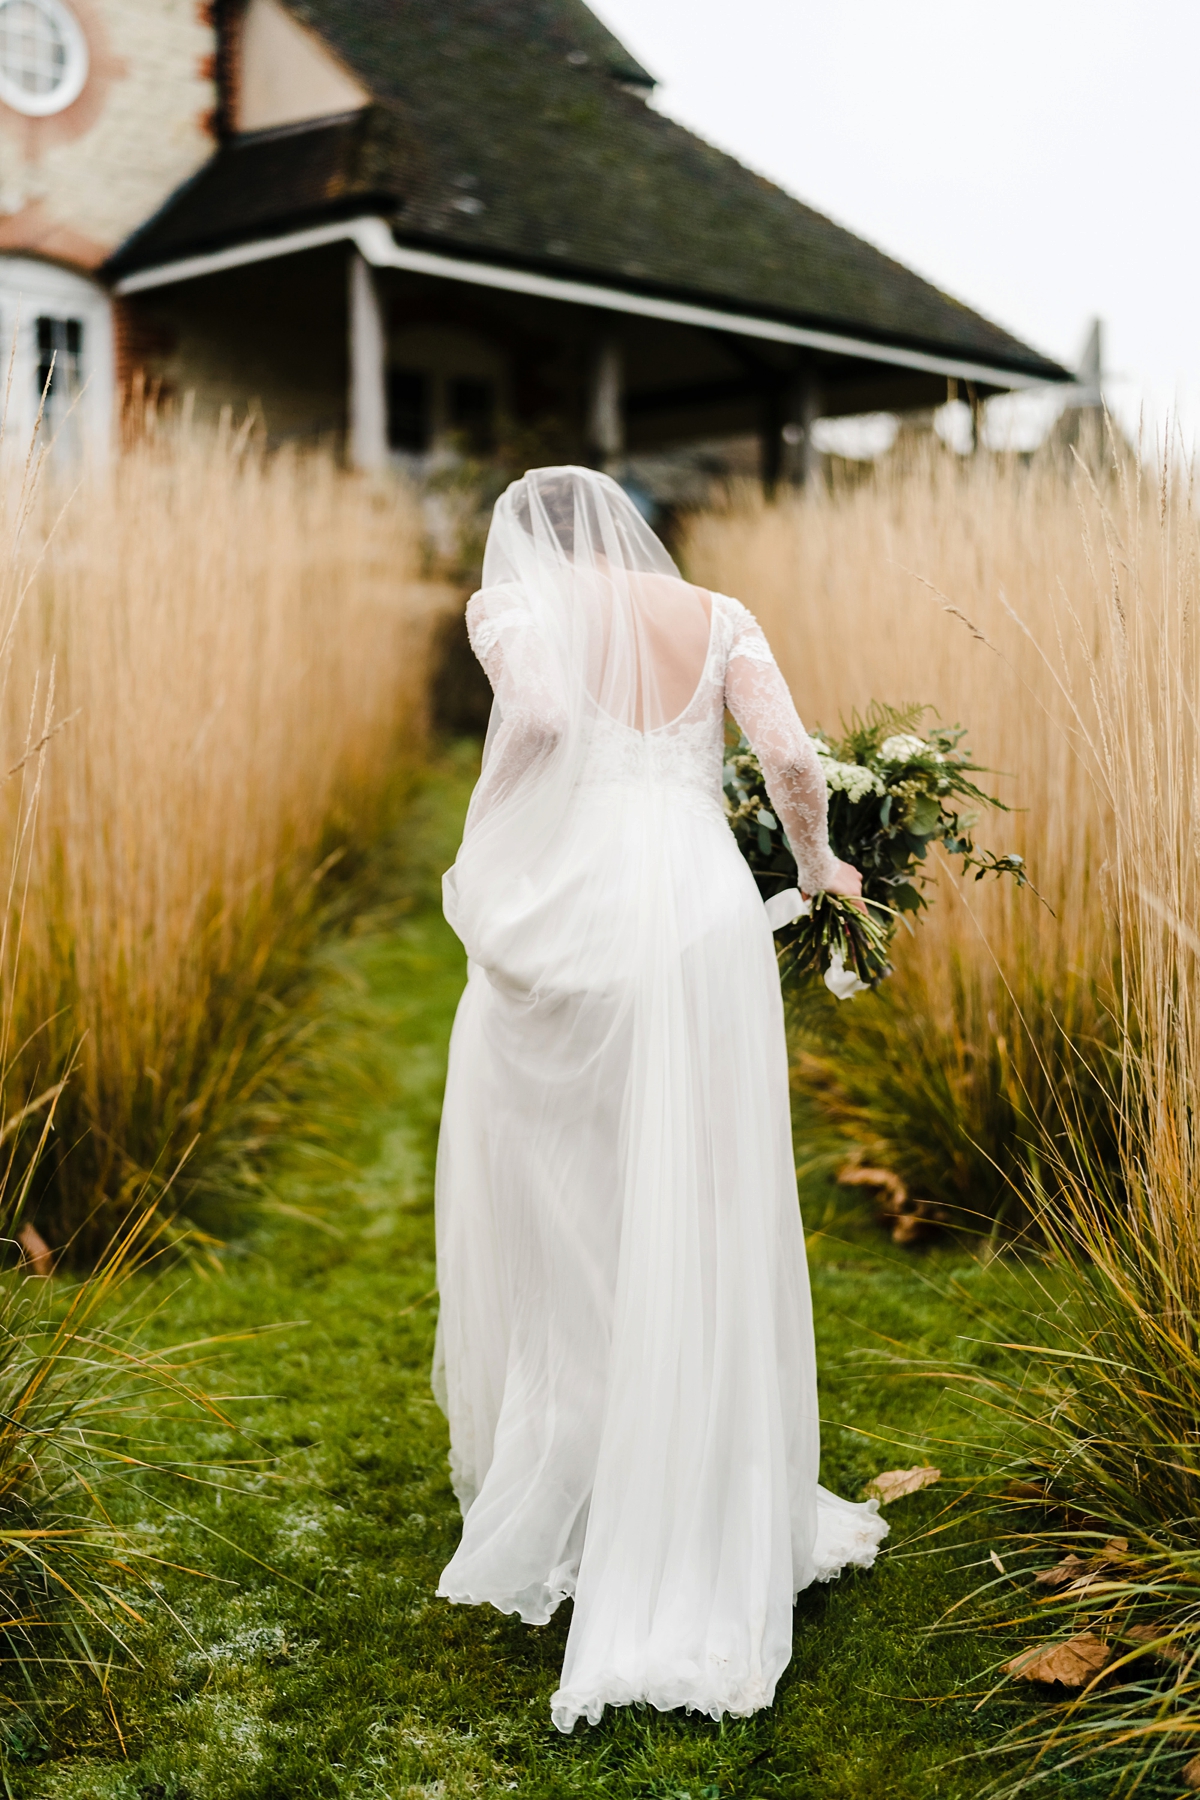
[(368, 439), (802, 459), (606, 423), (976, 406), (771, 441), (810, 412), (790, 410)]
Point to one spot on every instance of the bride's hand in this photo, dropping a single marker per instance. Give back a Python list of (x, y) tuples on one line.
[(848, 883)]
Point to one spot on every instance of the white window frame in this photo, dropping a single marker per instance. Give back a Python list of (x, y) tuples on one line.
[(30, 288), (75, 69)]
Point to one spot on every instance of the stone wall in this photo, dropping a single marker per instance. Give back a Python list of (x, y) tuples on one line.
[(75, 184)]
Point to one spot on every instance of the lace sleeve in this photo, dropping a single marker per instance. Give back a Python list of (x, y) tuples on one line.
[(532, 714), (757, 696)]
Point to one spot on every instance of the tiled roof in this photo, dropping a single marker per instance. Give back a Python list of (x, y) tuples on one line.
[(505, 130), (271, 180)]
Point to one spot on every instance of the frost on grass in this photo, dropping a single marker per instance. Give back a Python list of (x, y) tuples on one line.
[(269, 1644), (218, 1741), (301, 1531), (436, 1759)]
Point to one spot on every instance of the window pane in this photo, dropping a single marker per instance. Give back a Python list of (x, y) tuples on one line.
[(60, 355), (33, 51)]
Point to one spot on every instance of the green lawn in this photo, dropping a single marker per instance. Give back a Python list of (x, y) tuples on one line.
[(315, 1660)]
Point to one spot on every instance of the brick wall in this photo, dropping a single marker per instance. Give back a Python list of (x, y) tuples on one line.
[(74, 185)]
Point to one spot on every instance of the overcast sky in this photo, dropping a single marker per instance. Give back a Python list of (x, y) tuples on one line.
[(1039, 161)]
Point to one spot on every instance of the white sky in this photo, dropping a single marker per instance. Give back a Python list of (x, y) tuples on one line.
[(1039, 161)]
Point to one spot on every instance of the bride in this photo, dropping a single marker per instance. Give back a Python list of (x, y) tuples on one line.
[(625, 1347)]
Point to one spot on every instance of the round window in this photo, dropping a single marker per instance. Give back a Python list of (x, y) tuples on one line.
[(43, 56)]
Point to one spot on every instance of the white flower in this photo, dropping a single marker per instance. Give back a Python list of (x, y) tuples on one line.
[(842, 982), (854, 780), (903, 748)]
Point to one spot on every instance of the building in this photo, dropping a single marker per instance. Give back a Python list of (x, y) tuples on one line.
[(407, 224)]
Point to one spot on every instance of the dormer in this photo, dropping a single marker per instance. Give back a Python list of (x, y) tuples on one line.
[(287, 75)]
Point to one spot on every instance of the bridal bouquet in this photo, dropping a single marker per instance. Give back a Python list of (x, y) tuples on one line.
[(892, 793)]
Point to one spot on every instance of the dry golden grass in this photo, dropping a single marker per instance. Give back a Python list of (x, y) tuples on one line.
[(1142, 741), (237, 643), (1056, 615), (950, 583), (82, 1399)]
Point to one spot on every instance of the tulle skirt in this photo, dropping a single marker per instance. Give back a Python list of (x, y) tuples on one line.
[(625, 1349)]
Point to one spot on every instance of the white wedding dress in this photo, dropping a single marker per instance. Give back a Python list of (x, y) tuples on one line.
[(625, 1347)]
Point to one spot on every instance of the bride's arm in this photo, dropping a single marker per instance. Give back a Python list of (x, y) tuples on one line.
[(757, 696), (532, 714)]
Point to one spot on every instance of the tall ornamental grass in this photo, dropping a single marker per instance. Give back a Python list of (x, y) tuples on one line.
[(952, 584), (1107, 1406), (1053, 609), (237, 643), (84, 1401)]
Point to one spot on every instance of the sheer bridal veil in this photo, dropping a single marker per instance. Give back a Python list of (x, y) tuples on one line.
[(584, 626)]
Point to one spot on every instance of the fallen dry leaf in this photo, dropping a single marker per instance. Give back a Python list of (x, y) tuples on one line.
[(853, 1174), (1190, 1773), (1080, 1571), (1072, 1663), (893, 1484), (36, 1253), (1154, 1635), (1062, 1572), (909, 1217)]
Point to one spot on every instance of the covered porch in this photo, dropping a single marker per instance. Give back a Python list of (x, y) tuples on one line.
[(406, 357)]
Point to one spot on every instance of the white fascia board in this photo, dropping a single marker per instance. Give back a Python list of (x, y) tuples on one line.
[(375, 242)]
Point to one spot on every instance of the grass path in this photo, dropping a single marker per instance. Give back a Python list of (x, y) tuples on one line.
[(327, 1668)]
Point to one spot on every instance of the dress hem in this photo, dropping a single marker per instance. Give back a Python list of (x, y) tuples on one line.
[(739, 1701), (848, 1536), (510, 1604)]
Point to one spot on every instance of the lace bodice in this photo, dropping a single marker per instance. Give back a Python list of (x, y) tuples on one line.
[(685, 755)]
